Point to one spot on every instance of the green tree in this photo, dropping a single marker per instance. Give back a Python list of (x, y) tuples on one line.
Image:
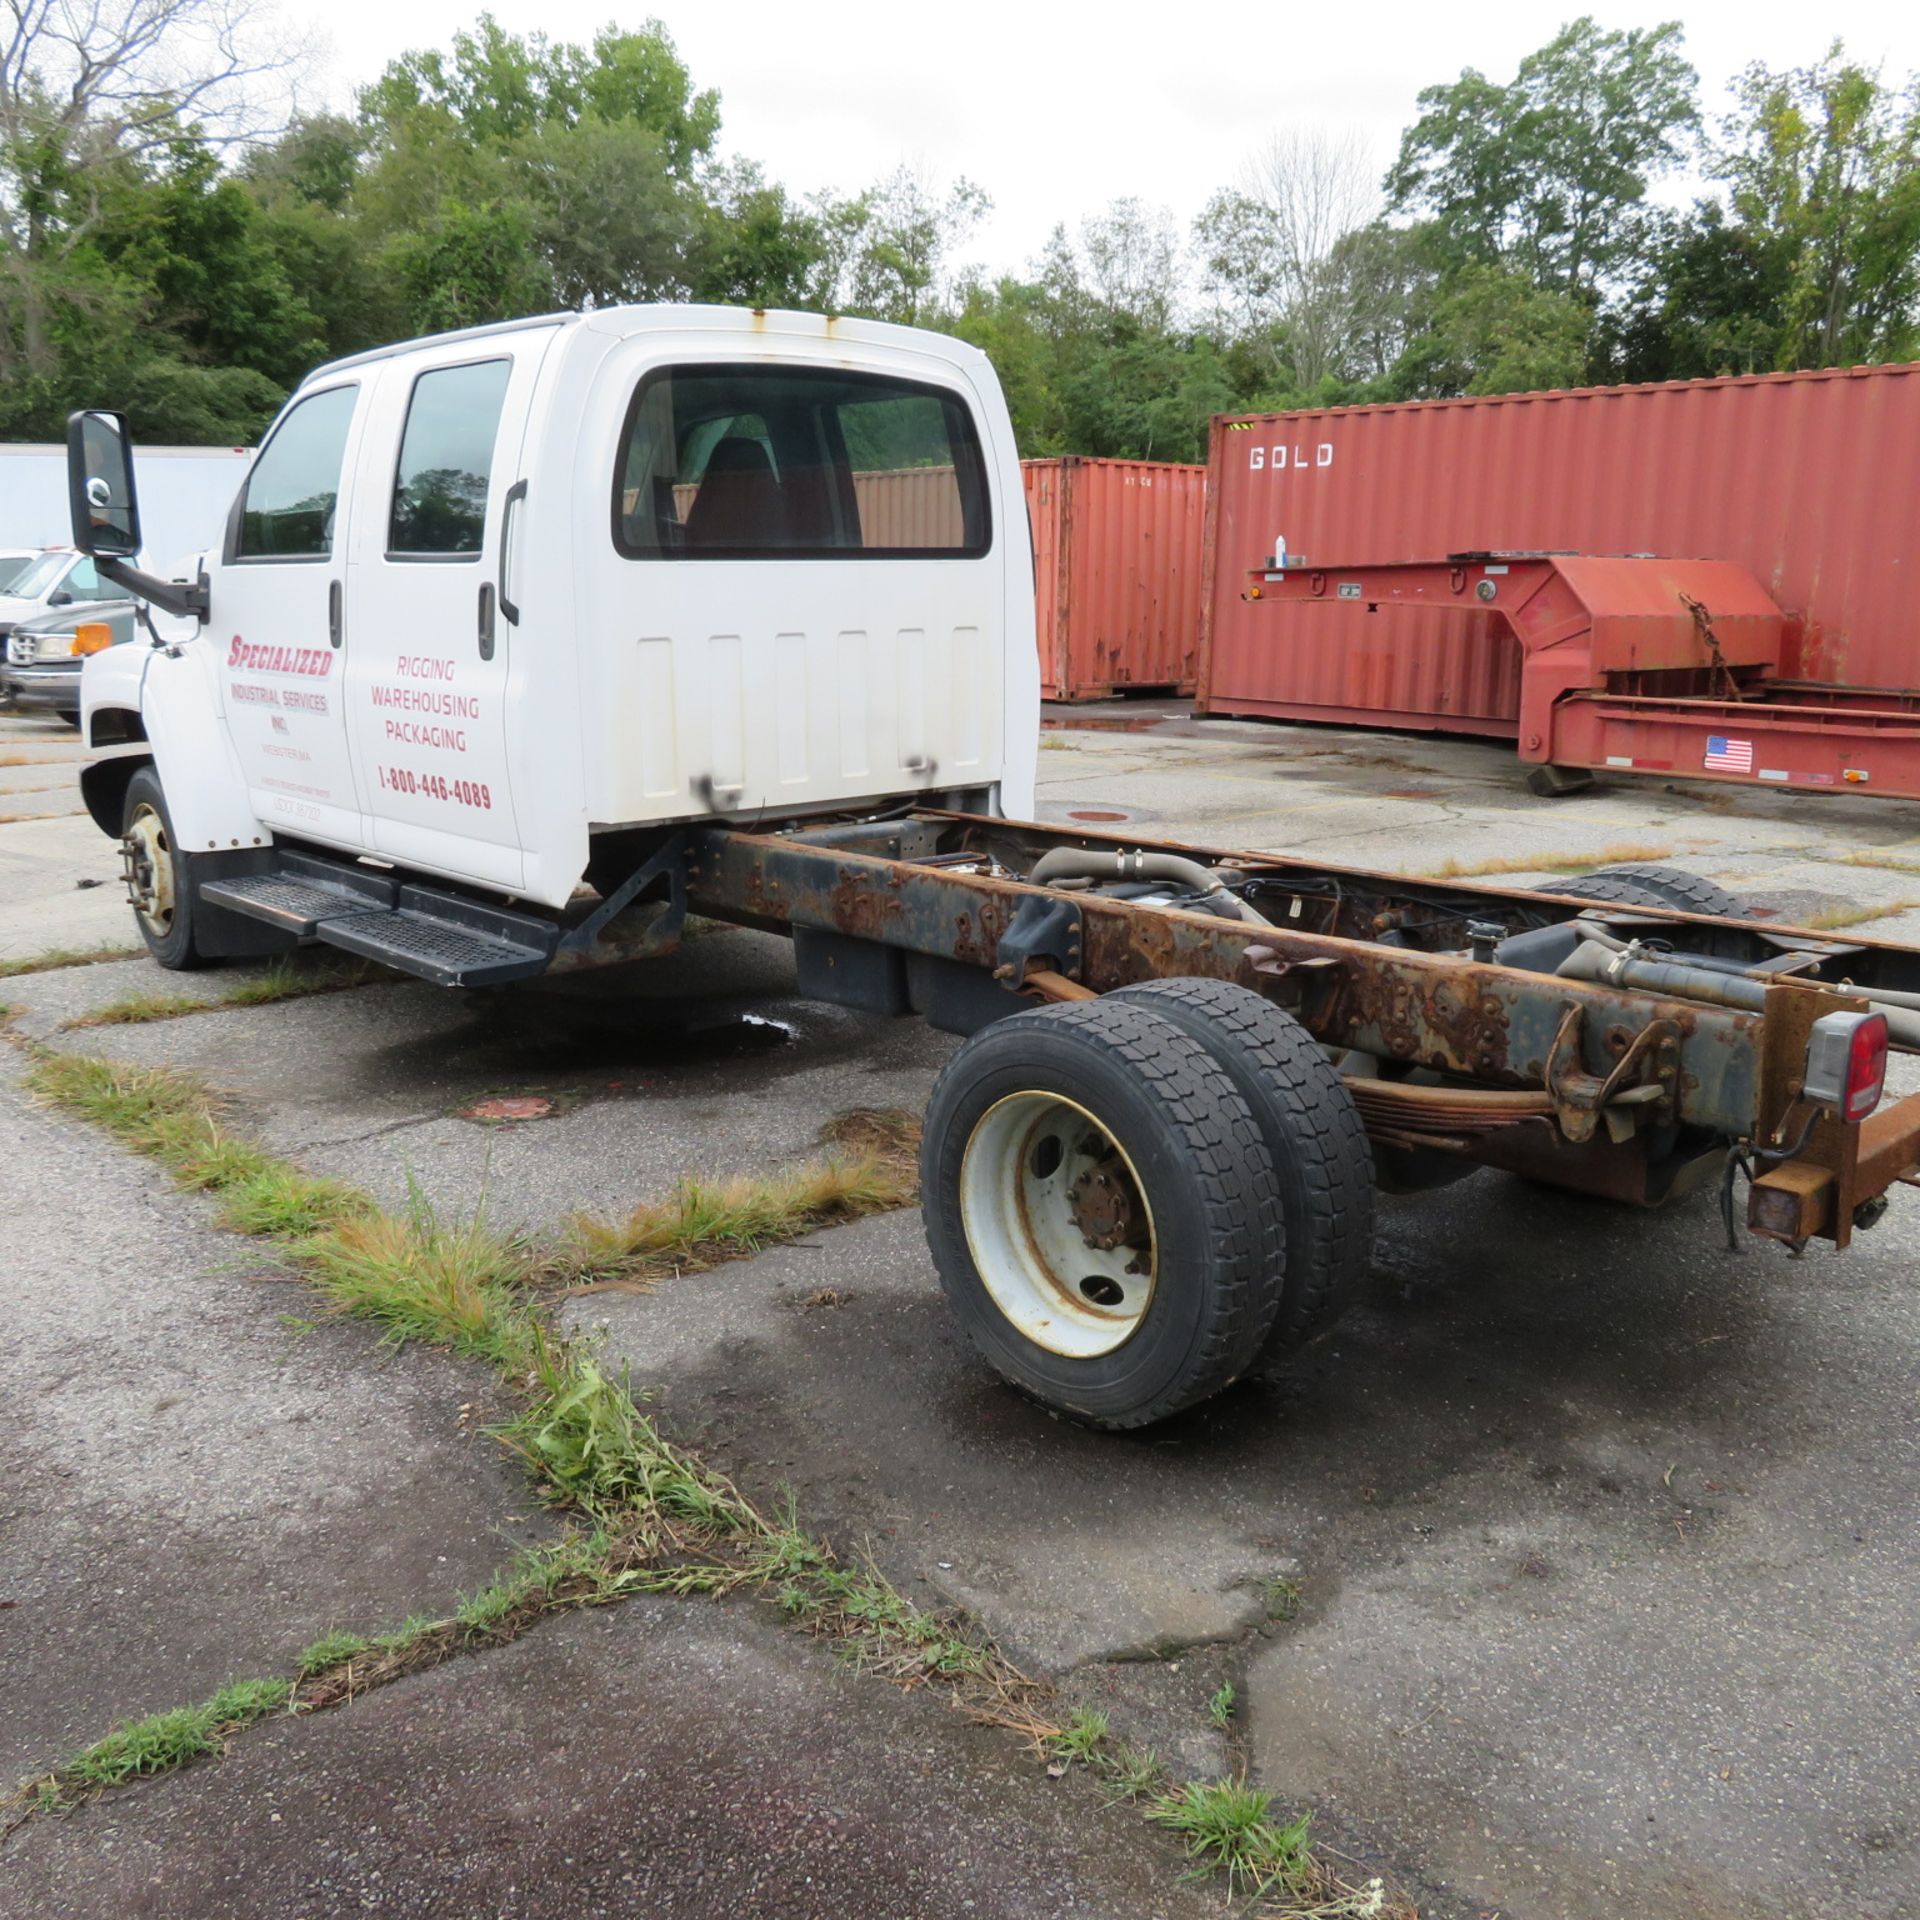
[(1549, 173), (198, 242), (496, 87), (892, 247), (1278, 250), (1710, 300), (468, 265), (510, 174), (1822, 165), (757, 246), (1492, 330)]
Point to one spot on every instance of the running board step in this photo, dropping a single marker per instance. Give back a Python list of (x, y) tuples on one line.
[(435, 936)]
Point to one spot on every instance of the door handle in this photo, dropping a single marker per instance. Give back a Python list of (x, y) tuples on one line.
[(333, 613), (516, 497), (486, 619)]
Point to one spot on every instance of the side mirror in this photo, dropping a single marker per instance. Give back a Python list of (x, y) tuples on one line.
[(61, 599), (100, 495)]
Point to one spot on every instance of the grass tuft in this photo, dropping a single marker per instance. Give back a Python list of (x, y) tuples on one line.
[(702, 1223), (1875, 857), (154, 1110), (584, 1433), (1280, 1595), (1082, 1738), (331, 1650), (1228, 1827), (171, 1739), (451, 1283), (279, 1202), (289, 979), (284, 980), (1220, 1707), (1553, 861), (1855, 916), (137, 1010), (56, 957), (1134, 1773)]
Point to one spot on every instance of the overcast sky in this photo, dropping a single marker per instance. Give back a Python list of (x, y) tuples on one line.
[(1056, 110)]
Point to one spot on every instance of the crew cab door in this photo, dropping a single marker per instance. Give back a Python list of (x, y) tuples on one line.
[(430, 606), (276, 621)]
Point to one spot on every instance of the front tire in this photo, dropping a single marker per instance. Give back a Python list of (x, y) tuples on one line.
[(159, 876), (1100, 1207)]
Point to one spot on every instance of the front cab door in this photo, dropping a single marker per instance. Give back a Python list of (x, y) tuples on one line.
[(276, 621)]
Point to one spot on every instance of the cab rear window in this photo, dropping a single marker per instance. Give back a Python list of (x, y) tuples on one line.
[(789, 463)]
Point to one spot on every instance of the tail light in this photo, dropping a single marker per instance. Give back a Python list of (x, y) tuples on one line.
[(1847, 1063)]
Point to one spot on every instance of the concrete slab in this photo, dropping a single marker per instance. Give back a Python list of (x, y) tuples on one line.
[(665, 1758), (1416, 802), (195, 1482), (1602, 1534), (60, 887), (1592, 1519), (701, 1064), (59, 875)]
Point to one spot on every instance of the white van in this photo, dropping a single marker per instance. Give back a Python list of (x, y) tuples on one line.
[(487, 597)]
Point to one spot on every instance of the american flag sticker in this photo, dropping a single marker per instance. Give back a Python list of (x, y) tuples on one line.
[(1728, 756)]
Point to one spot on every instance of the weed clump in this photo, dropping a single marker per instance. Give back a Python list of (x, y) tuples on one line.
[(703, 1223), (1228, 1827), (171, 1739)]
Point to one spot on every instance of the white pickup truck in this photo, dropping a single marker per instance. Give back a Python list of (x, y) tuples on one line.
[(485, 598), (523, 642)]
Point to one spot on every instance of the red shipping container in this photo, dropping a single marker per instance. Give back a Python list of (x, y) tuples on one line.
[(1117, 574), (1810, 481)]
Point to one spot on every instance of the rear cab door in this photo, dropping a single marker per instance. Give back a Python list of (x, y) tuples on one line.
[(430, 604)]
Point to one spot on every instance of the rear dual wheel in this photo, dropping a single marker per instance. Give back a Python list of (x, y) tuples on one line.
[(1103, 1207)]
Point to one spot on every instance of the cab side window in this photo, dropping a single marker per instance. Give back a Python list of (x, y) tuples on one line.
[(287, 510), (439, 507)]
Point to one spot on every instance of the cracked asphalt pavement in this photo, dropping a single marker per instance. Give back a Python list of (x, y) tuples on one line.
[(1572, 1577)]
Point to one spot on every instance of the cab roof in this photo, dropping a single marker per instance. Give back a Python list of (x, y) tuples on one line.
[(663, 317)]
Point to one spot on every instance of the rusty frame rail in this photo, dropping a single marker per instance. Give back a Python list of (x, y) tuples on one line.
[(1481, 1021), (1583, 1084)]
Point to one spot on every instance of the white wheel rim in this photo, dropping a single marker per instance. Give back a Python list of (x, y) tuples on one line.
[(150, 869), (1039, 1176)]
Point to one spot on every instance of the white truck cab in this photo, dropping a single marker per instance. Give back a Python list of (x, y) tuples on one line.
[(489, 599)]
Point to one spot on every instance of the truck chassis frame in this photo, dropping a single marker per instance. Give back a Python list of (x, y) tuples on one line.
[(1606, 1089), (1597, 1084)]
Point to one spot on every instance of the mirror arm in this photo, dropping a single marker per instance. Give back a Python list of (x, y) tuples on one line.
[(183, 597)]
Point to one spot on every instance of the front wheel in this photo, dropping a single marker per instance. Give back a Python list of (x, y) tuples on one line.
[(158, 875), (1101, 1209)]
